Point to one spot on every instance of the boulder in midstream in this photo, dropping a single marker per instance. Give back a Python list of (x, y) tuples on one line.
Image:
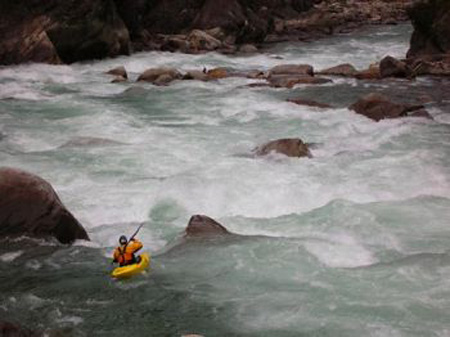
[(291, 147), (29, 206), (204, 226)]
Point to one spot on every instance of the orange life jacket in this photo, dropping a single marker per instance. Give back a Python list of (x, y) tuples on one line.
[(125, 253)]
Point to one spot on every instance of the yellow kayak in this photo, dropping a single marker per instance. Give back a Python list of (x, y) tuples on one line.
[(132, 269)]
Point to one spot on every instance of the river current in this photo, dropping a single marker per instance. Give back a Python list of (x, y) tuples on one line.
[(352, 242)]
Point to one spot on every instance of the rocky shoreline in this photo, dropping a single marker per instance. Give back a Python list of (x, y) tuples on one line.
[(64, 32)]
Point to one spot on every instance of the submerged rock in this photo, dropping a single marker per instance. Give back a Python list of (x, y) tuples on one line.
[(160, 76), (291, 147), (307, 102), (377, 107), (119, 71), (202, 225), (292, 69), (29, 206), (289, 81)]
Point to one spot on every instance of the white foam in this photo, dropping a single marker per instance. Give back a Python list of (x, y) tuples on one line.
[(340, 251), (9, 257)]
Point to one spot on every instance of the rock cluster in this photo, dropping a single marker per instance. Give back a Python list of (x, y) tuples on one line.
[(58, 31)]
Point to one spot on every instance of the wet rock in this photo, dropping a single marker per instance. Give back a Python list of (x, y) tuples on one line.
[(438, 65), (119, 79), (377, 107), (292, 69), (8, 329), (202, 225), (431, 21), (372, 73), (90, 142), (307, 102), (196, 75), (256, 74), (291, 147), (248, 49), (289, 81), (160, 76), (202, 41), (346, 70), (119, 71), (391, 67), (29, 206), (25, 40), (218, 73)]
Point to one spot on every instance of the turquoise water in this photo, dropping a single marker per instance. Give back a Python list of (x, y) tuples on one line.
[(353, 242)]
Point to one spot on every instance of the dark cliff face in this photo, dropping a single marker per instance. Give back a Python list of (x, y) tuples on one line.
[(248, 20), (431, 21), (55, 31)]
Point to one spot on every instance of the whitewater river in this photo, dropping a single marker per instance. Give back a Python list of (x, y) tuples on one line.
[(352, 242)]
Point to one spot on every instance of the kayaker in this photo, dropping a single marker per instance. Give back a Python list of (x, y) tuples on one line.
[(124, 254)]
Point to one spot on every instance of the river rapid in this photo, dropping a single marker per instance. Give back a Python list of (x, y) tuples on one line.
[(352, 242)]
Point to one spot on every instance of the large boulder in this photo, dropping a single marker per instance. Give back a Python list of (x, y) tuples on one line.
[(377, 107), (431, 21), (391, 67), (58, 30), (160, 76), (346, 70), (292, 69), (291, 147), (202, 225), (29, 206)]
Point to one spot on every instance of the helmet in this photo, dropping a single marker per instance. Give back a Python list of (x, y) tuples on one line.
[(123, 240)]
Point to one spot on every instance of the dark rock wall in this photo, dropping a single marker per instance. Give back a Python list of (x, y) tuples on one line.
[(52, 31), (431, 21)]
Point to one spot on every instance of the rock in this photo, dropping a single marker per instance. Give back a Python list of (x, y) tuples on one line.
[(248, 49), (291, 147), (218, 73), (289, 81), (256, 74), (163, 80), (59, 30), (202, 225), (119, 79), (160, 75), (196, 75), (29, 206), (8, 329), (431, 22), (434, 66), (292, 69), (307, 102), (119, 71), (34, 45), (377, 107), (391, 67), (346, 70), (372, 73), (201, 41)]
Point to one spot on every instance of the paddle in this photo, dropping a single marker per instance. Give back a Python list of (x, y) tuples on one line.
[(137, 230)]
